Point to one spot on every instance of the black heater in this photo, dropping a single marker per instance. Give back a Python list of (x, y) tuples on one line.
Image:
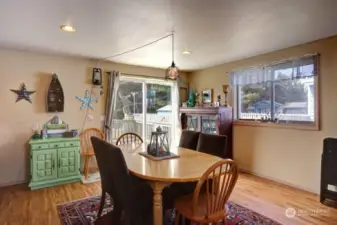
[(329, 172)]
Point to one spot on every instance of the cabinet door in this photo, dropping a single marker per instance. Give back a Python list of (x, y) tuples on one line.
[(209, 124), (44, 165), (68, 162), (192, 123)]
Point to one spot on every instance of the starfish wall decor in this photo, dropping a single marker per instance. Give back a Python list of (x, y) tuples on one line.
[(23, 93), (87, 100)]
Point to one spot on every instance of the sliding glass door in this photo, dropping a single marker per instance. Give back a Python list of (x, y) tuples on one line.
[(142, 105)]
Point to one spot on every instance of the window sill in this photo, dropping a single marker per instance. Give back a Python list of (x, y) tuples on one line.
[(313, 127)]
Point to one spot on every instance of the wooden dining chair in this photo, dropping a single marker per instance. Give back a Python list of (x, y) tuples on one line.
[(132, 200), (86, 146), (129, 138), (204, 207)]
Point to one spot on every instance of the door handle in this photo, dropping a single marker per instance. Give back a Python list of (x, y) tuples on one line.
[(53, 164), (59, 163)]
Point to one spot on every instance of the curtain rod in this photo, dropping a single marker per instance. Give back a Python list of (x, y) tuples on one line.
[(153, 78), (277, 62), (143, 76)]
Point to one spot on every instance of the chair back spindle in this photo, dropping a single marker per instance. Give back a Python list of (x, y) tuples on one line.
[(129, 138), (223, 176), (85, 136)]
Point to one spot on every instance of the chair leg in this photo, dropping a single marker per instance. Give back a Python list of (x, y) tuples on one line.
[(224, 221), (101, 206), (86, 167), (176, 222)]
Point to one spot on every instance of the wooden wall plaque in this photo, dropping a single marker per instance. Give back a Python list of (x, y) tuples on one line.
[(55, 97)]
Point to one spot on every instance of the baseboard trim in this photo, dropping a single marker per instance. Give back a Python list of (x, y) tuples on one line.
[(277, 181), (12, 183)]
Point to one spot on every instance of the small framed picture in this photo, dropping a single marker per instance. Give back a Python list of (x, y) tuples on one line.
[(207, 96)]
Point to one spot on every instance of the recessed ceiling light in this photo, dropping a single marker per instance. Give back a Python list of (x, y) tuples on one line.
[(187, 52), (67, 28)]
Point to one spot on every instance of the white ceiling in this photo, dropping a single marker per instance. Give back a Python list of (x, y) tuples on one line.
[(217, 31)]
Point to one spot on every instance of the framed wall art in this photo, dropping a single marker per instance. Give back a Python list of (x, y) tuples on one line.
[(207, 96)]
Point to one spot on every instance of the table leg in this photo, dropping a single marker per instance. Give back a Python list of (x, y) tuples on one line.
[(157, 188)]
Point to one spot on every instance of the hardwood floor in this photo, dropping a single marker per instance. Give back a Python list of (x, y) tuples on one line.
[(19, 205)]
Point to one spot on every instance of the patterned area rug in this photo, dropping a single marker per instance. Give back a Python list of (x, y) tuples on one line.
[(84, 211)]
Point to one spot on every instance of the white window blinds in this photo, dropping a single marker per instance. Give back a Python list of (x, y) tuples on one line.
[(303, 67)]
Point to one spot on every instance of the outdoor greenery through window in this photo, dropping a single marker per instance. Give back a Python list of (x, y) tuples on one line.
[(143, 104), (130, 97), (280, 93)]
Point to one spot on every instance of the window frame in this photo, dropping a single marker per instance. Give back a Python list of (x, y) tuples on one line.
[(144, 80), (315, 125)]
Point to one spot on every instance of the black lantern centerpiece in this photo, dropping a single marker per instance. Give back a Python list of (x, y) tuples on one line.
[(159, 146)]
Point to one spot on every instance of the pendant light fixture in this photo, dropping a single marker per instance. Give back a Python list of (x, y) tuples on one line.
[(172, 71)]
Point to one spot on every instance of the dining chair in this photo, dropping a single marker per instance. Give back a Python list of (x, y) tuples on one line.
[(131, 198), (212, 144), (86, 146), (209, 207), (129, 138), (189, 139)]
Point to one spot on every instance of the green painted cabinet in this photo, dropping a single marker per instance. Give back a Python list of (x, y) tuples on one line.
[(54, 161)]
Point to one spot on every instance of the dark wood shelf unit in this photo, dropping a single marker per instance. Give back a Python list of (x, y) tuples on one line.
[(213, 120)]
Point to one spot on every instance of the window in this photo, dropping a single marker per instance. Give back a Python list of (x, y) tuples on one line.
[(282, 93), (142, 105)]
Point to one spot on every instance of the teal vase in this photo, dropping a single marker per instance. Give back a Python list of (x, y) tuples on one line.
[(191, 99)]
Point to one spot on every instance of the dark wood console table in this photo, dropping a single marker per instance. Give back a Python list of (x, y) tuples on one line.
[(213, 120)]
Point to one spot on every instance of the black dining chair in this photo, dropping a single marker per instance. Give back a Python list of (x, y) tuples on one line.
[(189, 139), (212, 144), (130, 197)]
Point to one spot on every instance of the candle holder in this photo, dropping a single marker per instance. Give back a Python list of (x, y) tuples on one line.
[(225, 89), (197, 103)]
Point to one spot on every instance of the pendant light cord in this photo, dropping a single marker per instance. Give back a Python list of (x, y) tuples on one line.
[(119, 54), (172, 47), (137, 48)]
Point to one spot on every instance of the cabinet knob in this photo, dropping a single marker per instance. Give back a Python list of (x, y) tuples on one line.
[(56, 145), (39, 146)]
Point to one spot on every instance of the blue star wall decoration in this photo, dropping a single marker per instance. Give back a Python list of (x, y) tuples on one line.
[(23, 93), (87, 100)]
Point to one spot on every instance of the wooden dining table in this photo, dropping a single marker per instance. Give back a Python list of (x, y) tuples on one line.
[(189, 167)]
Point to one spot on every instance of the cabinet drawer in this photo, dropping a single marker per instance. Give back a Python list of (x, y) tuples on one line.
[(72, 144), (39, 146), (56, 145)]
